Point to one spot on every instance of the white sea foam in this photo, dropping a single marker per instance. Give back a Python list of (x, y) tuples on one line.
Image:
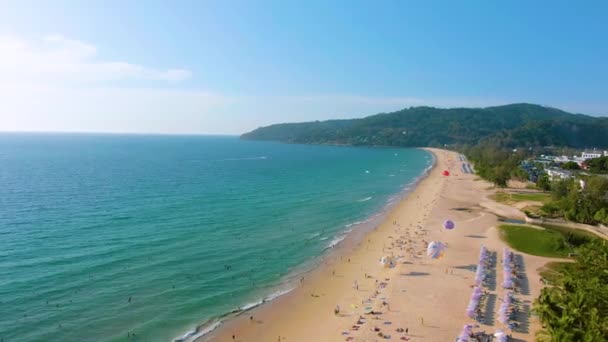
[(365, 199), (277, 294), (336, 241), (266, 299), (192, 335), (251, 305), (353, 224)]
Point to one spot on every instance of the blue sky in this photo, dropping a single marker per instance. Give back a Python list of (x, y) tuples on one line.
[(230, 66)]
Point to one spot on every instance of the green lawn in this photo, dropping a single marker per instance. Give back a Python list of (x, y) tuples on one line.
[(537, 197), (501, 197), (541, 242), (579, 233), (553, 241), (507, 198)]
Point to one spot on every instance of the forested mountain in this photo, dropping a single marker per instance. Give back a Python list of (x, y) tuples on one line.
[(513, 125)]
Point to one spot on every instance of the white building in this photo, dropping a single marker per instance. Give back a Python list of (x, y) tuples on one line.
[(558, 174), (591, 155)]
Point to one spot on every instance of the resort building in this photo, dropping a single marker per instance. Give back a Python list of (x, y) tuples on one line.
[(591, 155), (557, 173)]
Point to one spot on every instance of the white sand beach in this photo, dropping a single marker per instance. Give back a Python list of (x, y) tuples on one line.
[(427, 297)]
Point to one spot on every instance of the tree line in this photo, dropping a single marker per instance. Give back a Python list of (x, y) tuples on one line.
[(506, 126), (585, 202), (495, 164)]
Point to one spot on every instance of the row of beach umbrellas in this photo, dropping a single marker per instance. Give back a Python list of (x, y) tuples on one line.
[(507, 258), (505, 308), (481, 265), (479, 275)]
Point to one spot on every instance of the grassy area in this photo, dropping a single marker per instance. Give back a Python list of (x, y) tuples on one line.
[(578, 233), (553, 241), (553, 271), (508, 198), (501, 197), (533, 211), (541, 242), (535, 197)]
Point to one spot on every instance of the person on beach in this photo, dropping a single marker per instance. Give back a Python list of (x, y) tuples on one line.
[(337, 310)]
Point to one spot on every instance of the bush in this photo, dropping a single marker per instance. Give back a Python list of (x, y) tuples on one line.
[(551, 209), (543, 183), (601, 216), (571, 166)]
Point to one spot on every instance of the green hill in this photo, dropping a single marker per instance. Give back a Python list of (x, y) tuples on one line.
[(511, 125)]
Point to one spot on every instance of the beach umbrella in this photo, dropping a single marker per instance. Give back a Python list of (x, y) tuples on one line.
[(446, 172), (448, 224), (435, 249)]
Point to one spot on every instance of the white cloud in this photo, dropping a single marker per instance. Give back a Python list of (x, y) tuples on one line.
[(110, 109), (61, 84), (168, 110), (58, 60)]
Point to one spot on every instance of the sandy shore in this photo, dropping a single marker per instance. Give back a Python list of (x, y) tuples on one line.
[(426, 296)]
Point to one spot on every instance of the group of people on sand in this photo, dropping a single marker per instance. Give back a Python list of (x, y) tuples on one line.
[(412, 245), (362, 320)]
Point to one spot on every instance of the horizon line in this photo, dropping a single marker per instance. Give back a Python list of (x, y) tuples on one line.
[(120, 133)]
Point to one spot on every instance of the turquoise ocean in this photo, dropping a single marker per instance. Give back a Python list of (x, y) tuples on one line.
[(161, 236)]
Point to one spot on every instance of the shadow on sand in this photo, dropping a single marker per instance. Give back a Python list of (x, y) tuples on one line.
[(415, 274), (490, 282), (471, 267), (524, 284), (488, 318), (462, 209), (523, 320)]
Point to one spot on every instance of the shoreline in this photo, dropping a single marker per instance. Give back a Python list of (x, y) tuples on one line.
[(352, 240), (420, 298), (350, 234)]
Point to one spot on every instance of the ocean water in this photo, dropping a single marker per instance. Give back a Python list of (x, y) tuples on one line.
[(107, 235)]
